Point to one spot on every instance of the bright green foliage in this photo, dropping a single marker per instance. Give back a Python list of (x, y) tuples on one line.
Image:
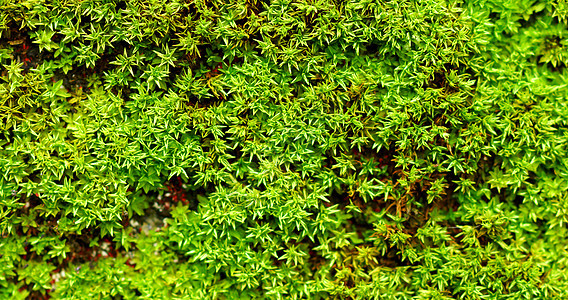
[(289, 149)]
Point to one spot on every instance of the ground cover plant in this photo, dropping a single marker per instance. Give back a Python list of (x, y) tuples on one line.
[(306, 149)]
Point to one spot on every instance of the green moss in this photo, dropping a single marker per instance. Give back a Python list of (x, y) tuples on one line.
[(283, 149)]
